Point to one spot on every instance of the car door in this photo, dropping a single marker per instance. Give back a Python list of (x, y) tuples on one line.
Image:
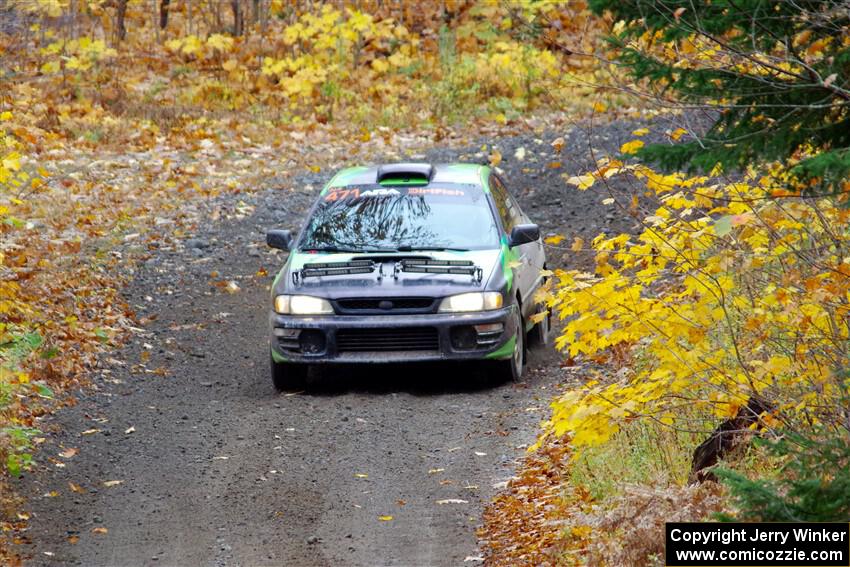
[(529, 255), (535, 256)]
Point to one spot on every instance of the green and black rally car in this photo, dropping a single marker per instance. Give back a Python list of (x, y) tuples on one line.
[(408, 262)]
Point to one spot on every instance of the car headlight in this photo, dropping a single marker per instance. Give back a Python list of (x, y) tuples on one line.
[(477, 301), (302, 305)]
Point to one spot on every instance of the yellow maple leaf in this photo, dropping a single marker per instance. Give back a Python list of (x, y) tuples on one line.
[(380, 65), (631, 147), (678, 133), (556, 239), (581, 181), (220, 42), (578, 244)]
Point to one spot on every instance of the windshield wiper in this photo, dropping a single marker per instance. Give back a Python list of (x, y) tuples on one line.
[(409, 248)]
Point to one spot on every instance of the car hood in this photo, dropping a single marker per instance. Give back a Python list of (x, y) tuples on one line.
[(386, 281)]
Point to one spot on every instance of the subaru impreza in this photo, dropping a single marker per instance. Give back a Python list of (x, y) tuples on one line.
[(408, 262)]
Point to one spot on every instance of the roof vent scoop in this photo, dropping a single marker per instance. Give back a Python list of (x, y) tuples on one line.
[(405, 174)]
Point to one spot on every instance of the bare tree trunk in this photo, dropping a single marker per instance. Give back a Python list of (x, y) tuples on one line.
[(163, 13), (238, 24), (73, 19), (216, 11), (120, 28), (264, 17), (724, 438)]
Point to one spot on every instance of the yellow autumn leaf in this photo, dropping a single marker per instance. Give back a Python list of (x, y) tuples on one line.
[(631, 147), (495, 158), (220, 42), (578, 244), (558, 144), (640, 132), (51, 67), (677, 133), (556, 239), (385, 518), (380, 65), (581, 181)]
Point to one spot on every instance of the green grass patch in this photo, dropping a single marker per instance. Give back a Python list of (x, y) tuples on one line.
[(644, 452)]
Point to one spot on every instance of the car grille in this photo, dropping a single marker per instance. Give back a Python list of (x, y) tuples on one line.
[(385, 305), (392, 339)]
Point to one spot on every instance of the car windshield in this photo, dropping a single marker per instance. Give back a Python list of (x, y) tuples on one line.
[(372, 217)]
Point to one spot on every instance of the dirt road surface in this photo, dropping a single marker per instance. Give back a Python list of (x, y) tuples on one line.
[(377, 465)]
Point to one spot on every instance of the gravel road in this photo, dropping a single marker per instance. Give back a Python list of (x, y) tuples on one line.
[(216, 468)]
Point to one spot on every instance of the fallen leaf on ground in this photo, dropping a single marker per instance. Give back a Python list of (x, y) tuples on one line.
[(435, 471), (452, 501), (109, 483), (77, 488), (581, 181), (495, 158), (361, 475), (678, 133), (99, 530), (68, 453), (385, 518), (578, 244), (90, 432), (631, 147), (129, 430)]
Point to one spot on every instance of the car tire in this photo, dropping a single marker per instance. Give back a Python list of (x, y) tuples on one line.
[(510, 370), (539, 335), (288, 375)]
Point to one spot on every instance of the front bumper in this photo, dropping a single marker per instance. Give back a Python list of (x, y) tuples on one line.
[(395, 338)]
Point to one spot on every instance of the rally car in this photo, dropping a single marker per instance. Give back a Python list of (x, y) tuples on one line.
[(408, 262)]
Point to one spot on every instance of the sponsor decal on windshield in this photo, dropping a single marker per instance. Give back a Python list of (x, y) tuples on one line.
[(436, 191), (354, 193)]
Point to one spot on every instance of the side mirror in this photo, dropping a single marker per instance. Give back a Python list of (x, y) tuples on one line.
[(280, 239), (524, 233)]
